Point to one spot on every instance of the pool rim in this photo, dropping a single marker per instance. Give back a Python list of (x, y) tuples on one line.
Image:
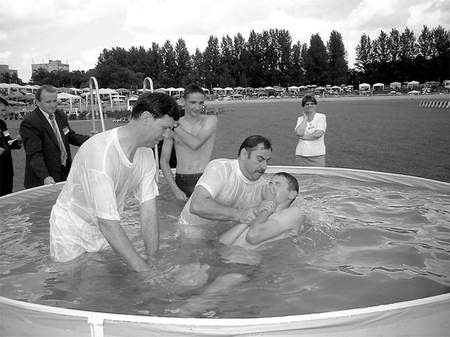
[(97, 318)]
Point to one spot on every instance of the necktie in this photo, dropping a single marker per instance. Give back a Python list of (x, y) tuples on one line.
[(62, 148)]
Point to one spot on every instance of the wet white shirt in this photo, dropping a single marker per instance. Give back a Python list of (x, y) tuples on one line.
[(227, 185), (316, 147), (100, 178)]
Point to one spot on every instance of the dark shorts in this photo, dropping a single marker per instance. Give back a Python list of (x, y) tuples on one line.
[(187, 182)]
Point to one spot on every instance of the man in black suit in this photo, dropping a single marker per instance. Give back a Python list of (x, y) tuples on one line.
[(46, 136), (6, 145)]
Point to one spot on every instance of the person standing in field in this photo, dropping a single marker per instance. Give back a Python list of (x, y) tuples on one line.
[(310, 129), (47, 136), (193, 138)]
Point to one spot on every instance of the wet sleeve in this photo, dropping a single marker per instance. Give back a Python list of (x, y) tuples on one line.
[(102, 194), (213, 178), (147, 188)]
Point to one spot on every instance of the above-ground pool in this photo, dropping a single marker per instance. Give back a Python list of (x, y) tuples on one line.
[(377, 263)]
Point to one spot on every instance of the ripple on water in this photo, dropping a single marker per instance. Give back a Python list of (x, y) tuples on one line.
[(364, 245)]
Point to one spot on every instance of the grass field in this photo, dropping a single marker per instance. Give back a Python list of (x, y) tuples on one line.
[(389, 135)]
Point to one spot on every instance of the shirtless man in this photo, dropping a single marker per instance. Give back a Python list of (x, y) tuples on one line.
[(193, 138)]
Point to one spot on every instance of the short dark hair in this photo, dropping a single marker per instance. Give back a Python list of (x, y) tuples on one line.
[(308, 98), (3, 101), (250, 143), (292, 182), (45, 87), (158, 104), (191, 89)]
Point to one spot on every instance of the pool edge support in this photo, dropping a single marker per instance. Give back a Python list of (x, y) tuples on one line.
[(96, 326)]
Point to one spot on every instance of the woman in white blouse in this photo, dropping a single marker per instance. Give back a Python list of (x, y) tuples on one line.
[(310, 128)]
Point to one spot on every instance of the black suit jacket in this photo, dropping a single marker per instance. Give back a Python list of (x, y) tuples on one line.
[(43, 156)]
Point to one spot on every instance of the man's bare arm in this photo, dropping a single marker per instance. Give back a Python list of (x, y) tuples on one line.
[(150, 226), (277, 224), (119, 241), (232, 234), (203, 205), (194, 142), (166, 152)]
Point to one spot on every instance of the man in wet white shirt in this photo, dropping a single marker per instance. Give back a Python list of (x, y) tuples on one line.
[(108, 167), (229, 189)]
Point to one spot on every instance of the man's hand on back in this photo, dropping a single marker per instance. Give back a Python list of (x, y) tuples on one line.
[(266, 206), (49, 181), (246, 215)]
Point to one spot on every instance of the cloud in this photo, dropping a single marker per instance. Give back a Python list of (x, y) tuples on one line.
[(78, 30), (428, 13), (4, 55)]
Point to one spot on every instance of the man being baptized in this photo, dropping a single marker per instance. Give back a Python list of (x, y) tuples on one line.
[(275, 220)]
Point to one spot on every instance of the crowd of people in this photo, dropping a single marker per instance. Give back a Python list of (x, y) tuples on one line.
[(113, 164)]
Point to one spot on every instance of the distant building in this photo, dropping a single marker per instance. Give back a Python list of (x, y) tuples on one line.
[(4, 69), (52, 65)]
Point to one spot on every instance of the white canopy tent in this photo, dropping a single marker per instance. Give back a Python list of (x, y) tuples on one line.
[(218, 91), (30, 88), (108, 92), (378, 86), (228, 90), (364, 87), (395, 85), (8, 86), (172, 90), (65, 96), (412, 84), (336, 88)]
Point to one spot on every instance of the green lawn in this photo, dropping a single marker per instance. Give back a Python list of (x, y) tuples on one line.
[(389, 135)]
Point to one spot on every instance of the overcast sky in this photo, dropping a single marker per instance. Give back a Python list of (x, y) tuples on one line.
[(76, 31)]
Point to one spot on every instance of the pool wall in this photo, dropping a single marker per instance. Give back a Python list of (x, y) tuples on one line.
[(422, 317)]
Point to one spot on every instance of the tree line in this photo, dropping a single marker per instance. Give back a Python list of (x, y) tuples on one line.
[(400, 56), (269, 58)]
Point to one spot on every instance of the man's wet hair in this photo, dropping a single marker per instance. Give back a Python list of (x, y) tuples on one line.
[(250, 144), (158, 104), (292, 182), (192, 89), (44, 87)]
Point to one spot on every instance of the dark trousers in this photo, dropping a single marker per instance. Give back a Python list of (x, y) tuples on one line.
[(6, 184)]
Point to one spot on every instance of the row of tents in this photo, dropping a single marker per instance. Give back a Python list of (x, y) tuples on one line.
[(9, 88), (25, 93)]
